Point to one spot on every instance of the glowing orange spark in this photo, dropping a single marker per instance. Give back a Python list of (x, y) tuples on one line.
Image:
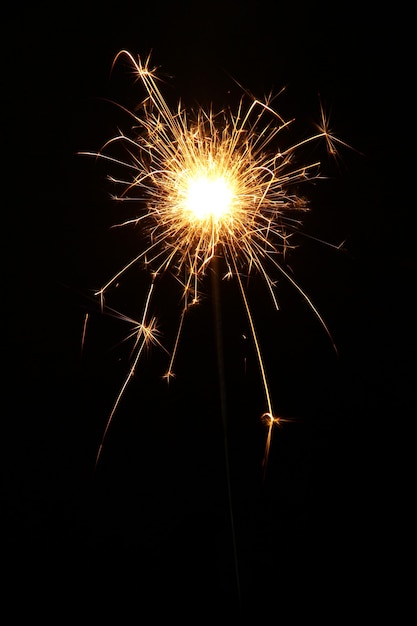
[(84, 332), (210, 184)]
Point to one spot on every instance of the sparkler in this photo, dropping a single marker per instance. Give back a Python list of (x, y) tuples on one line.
[(209, 185)]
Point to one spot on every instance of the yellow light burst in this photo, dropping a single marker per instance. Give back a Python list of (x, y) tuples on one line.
[(210, 185)]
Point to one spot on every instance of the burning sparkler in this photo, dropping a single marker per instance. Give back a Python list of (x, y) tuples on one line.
[(209, 185)]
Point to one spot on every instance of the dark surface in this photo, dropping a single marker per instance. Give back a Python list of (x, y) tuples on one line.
[(148, 533)]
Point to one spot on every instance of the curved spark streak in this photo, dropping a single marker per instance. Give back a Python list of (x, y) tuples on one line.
[(168, 151)]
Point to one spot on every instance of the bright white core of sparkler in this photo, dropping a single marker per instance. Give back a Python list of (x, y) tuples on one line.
[(208, 198)]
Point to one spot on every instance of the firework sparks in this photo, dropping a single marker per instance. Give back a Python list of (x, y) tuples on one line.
[(209, 185)]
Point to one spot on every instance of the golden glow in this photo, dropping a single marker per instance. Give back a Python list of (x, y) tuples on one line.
[(210, 184)]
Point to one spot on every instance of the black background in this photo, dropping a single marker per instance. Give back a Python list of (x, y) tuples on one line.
[(148, 532)]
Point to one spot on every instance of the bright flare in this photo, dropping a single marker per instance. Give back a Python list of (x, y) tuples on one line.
[(208, 198), (205, 186)]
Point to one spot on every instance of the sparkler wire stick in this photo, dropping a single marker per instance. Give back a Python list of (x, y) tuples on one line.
[(223, 407)]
